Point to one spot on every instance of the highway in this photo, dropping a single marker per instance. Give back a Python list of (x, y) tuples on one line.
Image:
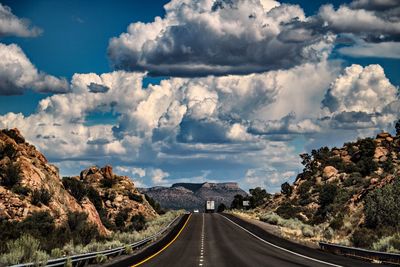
[(215, 240)]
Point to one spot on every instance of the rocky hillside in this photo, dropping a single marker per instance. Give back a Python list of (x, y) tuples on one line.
[(31, 190), (193, 195), (352, 192)]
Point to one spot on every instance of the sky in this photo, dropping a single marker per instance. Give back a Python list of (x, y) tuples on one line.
[(195, 91)]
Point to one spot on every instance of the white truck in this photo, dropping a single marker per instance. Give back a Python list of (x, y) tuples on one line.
[(210, 206)]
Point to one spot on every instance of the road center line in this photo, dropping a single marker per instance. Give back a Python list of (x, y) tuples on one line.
[(202, 243), (281, 248)]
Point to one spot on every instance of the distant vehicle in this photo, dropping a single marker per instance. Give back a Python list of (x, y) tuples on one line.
[(196, 211), (210, 206)]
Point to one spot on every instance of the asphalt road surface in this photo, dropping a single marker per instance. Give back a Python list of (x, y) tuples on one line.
[(214, 240)]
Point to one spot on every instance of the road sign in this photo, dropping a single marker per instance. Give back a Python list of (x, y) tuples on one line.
[(246, 203)]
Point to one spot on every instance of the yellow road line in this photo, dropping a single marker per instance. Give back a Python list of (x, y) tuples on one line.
[(166, 246)]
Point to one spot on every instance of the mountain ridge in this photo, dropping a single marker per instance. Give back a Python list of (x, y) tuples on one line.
[(193, 195)]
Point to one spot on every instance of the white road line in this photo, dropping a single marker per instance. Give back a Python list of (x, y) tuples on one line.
[(281, 248), (201, 260)]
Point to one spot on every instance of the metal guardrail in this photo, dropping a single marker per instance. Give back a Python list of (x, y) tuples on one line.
[(361, 253), (86, 257)]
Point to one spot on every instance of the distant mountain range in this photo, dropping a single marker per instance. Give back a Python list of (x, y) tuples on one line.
[(191, 196)]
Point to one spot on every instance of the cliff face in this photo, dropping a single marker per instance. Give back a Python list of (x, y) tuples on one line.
[(193, 195), (28, 184)]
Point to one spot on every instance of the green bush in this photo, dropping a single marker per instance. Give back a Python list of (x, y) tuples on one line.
[(108, 182), (95, 198), (221, 207), (304, 190), (82, 231), (286, 189), (12, 175), (40, 196), (327, 194), (20, 190), (75, 187), (382, 206), (388, 244), (138, 222), (337, 222), (121, 217), (287, 210), (355, 178), (258, 196), (135, 197), (237, 202), (363, 238)]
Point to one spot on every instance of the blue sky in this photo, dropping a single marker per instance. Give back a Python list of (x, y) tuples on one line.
[(225, 113)]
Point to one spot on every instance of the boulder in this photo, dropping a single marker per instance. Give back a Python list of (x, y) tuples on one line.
[(379, 152), (329, 172)]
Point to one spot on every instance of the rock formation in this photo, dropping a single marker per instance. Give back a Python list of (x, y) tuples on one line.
[(29, 183)]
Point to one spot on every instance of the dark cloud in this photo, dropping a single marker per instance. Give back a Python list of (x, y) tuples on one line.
[(99, 141), (98, 88)]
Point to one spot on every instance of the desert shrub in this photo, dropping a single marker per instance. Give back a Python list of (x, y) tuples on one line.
[(40, 258), (355, 178), (337, 222), (381, 206), (100, 258), (11, 176), (327, 194), (287, 210), (363, 237), (108, 182), (135, 197), (388, 165), (304, 190), (24, 249), (95, 198), (138, 222), (366, 166), (82, 231), (40, 196), (337, 163), (328, 233), (77, 189), (307, 231), (39, 224), (286, 189), (271, 218), (121, 217), (221, 207), (20, 190), (128, 250), (342, 196), (56, 253), (68, 263), (110, 195), (351, 168), (294, 224), (388, 244)]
